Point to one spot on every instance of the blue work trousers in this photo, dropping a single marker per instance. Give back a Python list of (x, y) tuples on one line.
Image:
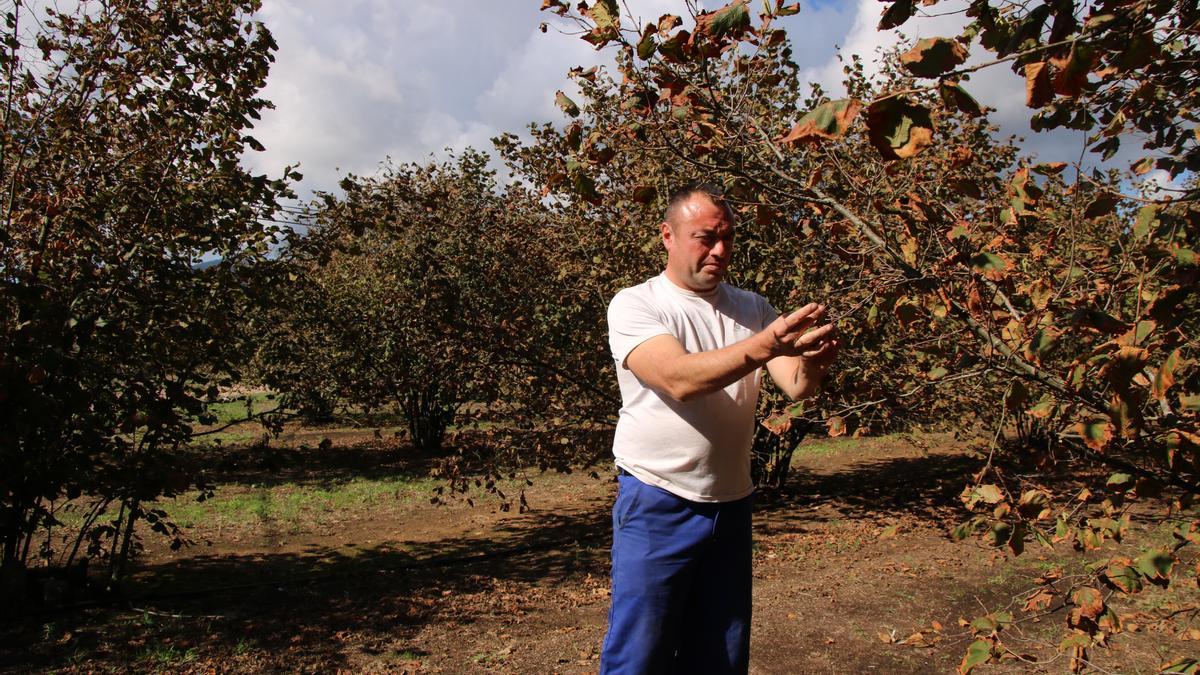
[(680, 584)]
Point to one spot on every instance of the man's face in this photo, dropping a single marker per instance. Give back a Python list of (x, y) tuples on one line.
[(699, 244)]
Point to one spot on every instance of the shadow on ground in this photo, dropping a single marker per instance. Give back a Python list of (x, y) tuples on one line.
[(305, 606), (925, 487), (339, 455)]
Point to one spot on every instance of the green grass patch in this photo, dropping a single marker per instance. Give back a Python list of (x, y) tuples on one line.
[(241, 408), (818, 445), (166, 656), (234, 436), (824, 447), (289, 505)]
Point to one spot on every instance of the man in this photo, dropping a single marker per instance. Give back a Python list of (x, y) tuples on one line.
[(689, 351)]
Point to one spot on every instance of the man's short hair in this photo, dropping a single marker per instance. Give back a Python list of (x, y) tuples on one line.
[(685, 193)]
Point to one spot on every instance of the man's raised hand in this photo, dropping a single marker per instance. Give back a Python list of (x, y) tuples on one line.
[(793, 335), (800, 350)]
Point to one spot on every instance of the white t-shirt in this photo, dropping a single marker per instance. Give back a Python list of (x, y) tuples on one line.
[(698, 449)]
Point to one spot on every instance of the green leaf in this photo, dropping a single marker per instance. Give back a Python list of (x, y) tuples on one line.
[(1061, 529), (647, 45), (787, 10), (964, 530), (899, 129), (568, 106), (1124, 577), (1075, 640), (1041, 343), (1144, 165), (1119, 480), (606, 14), (1000, 534), (1142, 330), (979, 652), (1155, 565), (1098, 22), (584, 186), (1024, 192), (931, 57), (1096, 433), (672, 47), (984, 624), (829, 120), (1045, 407), (1184, 255), (733, 18), (1181, 666), (1042, 539), (988, 262), (1147, 217)]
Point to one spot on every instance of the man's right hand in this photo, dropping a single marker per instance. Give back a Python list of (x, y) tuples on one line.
[(793, 334)]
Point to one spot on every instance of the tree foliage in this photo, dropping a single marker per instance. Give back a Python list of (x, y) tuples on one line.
[(381, 288), (427, 289), (958, 271), (123, 127)]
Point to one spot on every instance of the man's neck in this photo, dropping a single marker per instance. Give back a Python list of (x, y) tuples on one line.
[(707, 292)]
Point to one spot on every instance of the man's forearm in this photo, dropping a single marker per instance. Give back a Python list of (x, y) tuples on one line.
[(667, 367), (690, 375), (798, 378)]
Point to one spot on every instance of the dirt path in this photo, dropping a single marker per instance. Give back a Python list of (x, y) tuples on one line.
[(851, 560)]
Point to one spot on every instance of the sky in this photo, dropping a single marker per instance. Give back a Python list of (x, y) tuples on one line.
[(356, 82)]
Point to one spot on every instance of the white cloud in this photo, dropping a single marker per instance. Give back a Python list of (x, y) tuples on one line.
[(996, 86), (360, 80), (1158, 184)]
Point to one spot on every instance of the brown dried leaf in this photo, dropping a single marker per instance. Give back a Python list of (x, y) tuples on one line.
[(1038, 91), (829, 120)]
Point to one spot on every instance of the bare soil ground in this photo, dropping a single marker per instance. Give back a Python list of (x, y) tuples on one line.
[(852, 558)]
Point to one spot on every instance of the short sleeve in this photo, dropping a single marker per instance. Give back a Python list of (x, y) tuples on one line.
[(767, 311), (631, 321)]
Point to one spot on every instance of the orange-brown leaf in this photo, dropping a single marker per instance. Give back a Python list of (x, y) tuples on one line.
[(898, 128), (1038, 91), (1165, 377), (829, 120), (931, 57), (1096, 433), (837, 425), (1089, 602)]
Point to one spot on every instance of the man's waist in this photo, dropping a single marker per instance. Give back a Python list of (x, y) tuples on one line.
[(728, 485)]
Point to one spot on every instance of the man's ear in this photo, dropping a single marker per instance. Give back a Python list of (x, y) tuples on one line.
[(664, 230)]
